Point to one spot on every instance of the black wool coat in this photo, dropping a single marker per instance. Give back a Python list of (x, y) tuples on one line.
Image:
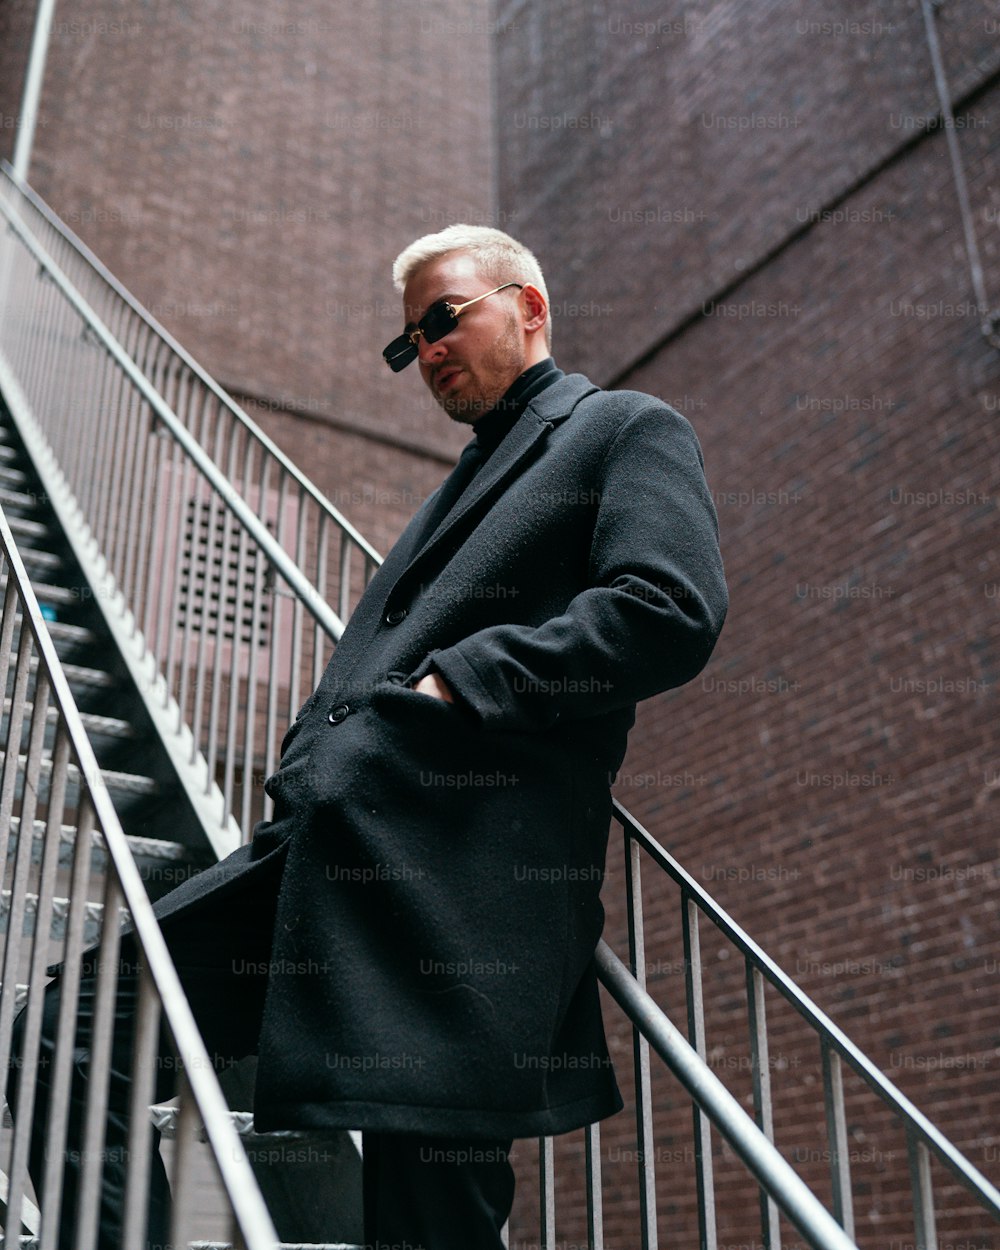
[(439, 864)]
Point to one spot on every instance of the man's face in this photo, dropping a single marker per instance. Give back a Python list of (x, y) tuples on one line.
[(469, 369)]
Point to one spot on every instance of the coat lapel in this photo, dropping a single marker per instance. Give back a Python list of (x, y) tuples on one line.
[(522, 444)]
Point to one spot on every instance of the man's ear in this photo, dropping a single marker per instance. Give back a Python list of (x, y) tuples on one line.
[(536, 309)]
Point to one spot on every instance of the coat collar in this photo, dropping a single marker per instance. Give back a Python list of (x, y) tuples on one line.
[(525, 439)]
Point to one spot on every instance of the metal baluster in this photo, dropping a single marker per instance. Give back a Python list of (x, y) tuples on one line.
[(836, 1136), (97, 396), (173, 550), (269, 575), (135, 504), (233, 720), (694, 985), (921, 1181), (322, 572), (547, 1192), (15, 724), (99, 1068), (145, 567), (30, 776), (110, 410), (344, 598), (25, 1109), (294, 699), (280, 598), (145, 1059), (189, 505), (640, 1048), (63, 1057), (258, 567), (214, 636), (184, 1160), (595, 1196), (760, 1059), (274, 652)]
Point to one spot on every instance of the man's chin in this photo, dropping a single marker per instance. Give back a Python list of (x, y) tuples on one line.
[(463, 408)]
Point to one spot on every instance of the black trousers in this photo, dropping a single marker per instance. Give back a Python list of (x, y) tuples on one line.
[(419, 1193)]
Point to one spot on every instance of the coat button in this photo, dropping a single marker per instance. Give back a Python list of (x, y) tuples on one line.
[(338, 713), (395, 616)]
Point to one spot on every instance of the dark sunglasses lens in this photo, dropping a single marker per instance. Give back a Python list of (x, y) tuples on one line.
[(438, 321), (399, 353)]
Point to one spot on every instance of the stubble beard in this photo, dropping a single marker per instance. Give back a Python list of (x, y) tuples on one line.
[(496, 370)]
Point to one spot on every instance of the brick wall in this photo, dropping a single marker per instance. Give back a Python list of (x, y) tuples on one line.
[(792, 277)]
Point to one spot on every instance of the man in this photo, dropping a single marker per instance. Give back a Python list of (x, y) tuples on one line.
[(427, 892)]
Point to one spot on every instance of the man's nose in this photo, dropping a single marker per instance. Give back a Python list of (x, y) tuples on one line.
[(431, 353)]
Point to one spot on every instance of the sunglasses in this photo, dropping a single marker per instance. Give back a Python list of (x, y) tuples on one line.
[(440, 319)]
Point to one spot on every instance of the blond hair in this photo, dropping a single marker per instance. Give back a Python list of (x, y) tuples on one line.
[(498, 257)]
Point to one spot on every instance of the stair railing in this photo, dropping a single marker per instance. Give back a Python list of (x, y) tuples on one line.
[(218, 623), (754, 1140), (321, 541), (51, 795)]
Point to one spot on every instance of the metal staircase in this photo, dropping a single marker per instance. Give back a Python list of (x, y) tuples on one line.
[(168, 579)]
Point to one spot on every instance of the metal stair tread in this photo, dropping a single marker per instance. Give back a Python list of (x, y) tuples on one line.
[(132, 783), (14, 477), (82, 675), (65, 631), (60, 905), (142, 847), (39, 557), (28, 1241), (17, 498), (103, 726), (45, 591), (164, 1119), (24, 525)]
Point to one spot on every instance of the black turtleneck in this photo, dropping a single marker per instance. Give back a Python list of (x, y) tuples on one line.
[(490, 430), (493, 426)]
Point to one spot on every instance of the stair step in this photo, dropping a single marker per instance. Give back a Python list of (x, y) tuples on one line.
[(122, 783), (281, 1245), (17, 499), (99, 726), (81, 675), (28, 1241), (93, 912), (142, 848), (64, 631), (20, 995), (164, 1118), (14, 477), (38, 558), (45, 592), (79, 635), (22, 526)]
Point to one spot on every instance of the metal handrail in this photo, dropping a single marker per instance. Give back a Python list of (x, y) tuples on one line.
[(750, 1143), (37, 664), (90, 271), (129, 432), (688, 1061), (945, 1150)]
